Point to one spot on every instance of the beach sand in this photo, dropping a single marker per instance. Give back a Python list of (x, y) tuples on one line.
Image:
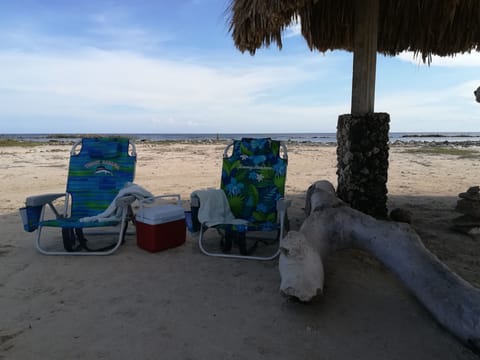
[(181, 304)]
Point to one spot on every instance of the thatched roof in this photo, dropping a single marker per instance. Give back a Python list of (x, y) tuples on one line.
[(426, 27)]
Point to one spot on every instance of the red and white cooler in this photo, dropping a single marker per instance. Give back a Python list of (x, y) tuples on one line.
[(160, 227)]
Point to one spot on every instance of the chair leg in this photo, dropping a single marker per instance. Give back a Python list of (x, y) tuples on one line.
[(203, 229), (110, 251), (240, 239), (69, 239), (226, 243)]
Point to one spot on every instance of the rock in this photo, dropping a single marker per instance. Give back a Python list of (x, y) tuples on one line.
[(362, 162), (473, 190), (468, 207), (470, 196)]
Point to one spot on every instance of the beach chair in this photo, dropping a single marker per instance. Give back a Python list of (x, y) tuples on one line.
[(100, 169), (249, 207)]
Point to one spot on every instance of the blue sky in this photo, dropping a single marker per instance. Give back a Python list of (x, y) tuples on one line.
[(140, 66)]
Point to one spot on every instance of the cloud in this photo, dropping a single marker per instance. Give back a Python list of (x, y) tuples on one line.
[(461, 60), (439, 109), (295, 29), (114, 76), (93, 87), (91, 90)]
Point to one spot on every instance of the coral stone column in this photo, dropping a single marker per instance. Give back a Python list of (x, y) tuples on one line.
[(362, 162)]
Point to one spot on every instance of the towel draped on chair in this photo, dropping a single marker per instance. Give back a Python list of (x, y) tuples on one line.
[(113, 212), (214, 208)]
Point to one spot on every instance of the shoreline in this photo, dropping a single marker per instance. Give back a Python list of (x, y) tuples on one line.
[(11, 142), (328, 139)]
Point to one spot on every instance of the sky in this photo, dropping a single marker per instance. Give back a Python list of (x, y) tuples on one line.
[(170, 66)]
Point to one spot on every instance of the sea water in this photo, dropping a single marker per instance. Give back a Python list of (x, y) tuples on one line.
[(325, 138)]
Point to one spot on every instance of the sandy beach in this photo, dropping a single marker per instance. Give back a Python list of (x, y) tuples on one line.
[(181, 304)]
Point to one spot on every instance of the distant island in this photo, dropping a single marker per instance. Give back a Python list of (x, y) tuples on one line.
[(435, 136)]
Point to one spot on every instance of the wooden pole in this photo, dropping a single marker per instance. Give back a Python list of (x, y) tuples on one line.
[(364, 56)]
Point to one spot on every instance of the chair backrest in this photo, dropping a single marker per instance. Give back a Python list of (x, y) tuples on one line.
[(97, 173), (253, 178)]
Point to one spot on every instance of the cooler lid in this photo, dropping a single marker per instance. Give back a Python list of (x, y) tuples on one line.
[(160, 214)]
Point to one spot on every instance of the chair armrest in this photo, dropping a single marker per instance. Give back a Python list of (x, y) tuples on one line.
[(40, 200)]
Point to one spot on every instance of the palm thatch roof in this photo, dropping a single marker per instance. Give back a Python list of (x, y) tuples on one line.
[(426, 27)]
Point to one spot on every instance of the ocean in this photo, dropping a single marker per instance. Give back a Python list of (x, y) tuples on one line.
[(325, 138)]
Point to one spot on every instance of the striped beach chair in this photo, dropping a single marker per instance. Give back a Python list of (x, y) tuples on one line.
[(98, 169)]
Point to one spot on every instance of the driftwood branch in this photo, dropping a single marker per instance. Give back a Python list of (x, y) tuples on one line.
[(332, 225)]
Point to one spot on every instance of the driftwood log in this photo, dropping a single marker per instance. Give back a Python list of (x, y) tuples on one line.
[(332, 225)]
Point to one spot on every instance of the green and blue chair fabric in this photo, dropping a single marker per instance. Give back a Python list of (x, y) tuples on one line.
[(98, 169), (253, 180)]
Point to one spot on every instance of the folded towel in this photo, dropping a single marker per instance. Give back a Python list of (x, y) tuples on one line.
[(214, 208), (113, 212)]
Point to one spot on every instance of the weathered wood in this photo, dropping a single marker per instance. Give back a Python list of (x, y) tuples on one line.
[(364, 56), (332, 225)]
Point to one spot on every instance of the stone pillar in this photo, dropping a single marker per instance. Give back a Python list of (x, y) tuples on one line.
[(362, 162)]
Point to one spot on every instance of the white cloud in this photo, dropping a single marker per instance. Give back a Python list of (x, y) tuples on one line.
[(439, 109), (461, 60), (295, 29), (60, 84), (98, 88)]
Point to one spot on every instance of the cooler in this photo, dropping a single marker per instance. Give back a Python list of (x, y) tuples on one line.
[(160, 227)]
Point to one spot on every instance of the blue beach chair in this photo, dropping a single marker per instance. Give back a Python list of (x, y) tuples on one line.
[(99, 168), (253, 181)]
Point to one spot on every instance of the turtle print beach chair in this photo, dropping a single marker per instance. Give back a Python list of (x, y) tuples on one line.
[(251, 198), (99, 169)]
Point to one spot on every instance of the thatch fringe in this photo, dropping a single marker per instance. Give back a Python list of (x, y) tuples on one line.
[(257, 23), (426, 27)]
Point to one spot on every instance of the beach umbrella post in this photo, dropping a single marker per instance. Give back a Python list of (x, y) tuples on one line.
[(367, 27), (362, 135)]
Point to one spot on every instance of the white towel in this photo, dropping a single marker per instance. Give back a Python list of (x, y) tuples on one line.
[(214, 208), (114, 213)]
